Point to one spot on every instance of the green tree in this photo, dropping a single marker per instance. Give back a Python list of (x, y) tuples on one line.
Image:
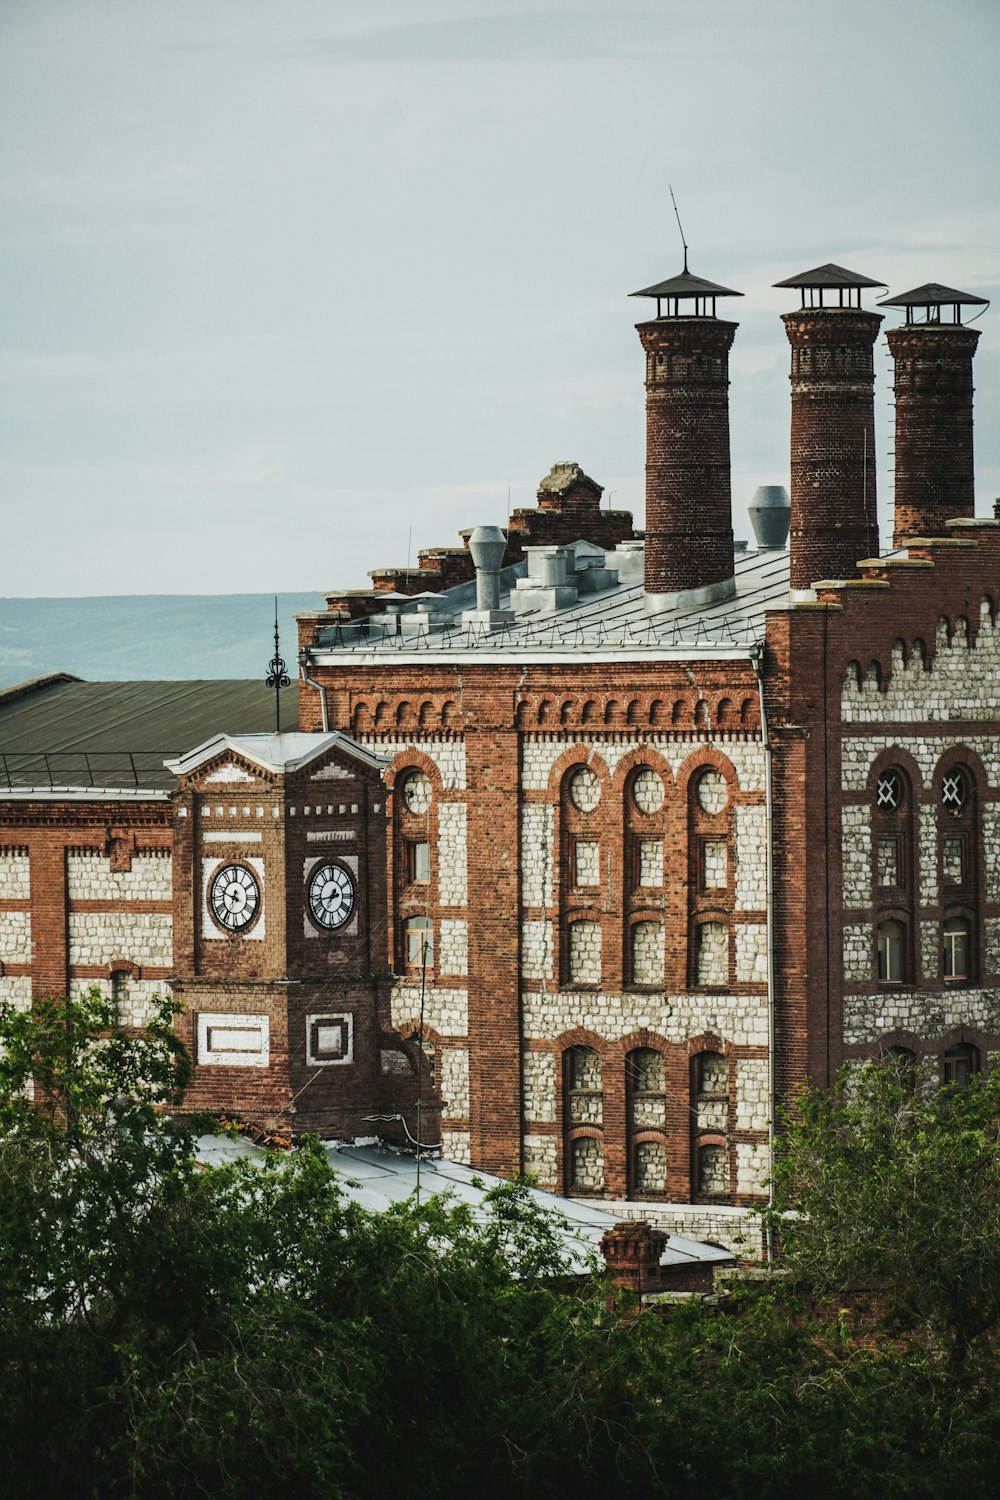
[(890, 1183)]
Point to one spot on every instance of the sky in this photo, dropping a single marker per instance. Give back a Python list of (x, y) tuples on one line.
[(291, 288)]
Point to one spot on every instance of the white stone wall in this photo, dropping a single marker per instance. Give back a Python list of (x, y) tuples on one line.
[(15, 875), (951, 862), (452, 854), (991, 846), (540, 1159), (585, 952), (586, 1165), (712, 954), (858, 940), (928, 1016), (89, 877), (650, 1167), (537, 850), (716, 866), (15, 989), (143, 937), (751, 953), (735, 1229), (539, 1087), (647, 953), (536, 950), (454, 1082), (856, 845), (752, 1167), (741, 1019), (647, 790), (136, 1005), (992, 945), (930, 949), (927, 844), (453, 948), (963, 682), (587, 854), (751, 859), (456, 1146), (447, 755), (539, 754), (445, 1011), (858, 754), (752, 1108), (713, 1170), (650, 862), (15, 937)]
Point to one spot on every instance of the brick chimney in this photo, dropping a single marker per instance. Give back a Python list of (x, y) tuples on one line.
[(632, 1253), (834, 522), (689, 519), (933, 386)]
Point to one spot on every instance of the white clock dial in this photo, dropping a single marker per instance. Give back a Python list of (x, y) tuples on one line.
[(331, 896), (234, 897)]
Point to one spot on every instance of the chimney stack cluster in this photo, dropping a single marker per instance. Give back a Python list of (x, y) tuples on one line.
[(689, 536)]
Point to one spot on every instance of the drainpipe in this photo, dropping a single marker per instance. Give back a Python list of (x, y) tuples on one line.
[(757, 657), (319, 688)]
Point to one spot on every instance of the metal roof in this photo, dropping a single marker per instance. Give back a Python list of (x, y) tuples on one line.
[(686, 285), (377, 1176), (829, 275), (277, 752), (60, 732), (933, 294), (610, 623)]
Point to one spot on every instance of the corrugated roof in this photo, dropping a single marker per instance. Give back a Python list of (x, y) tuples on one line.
[(61, 732)]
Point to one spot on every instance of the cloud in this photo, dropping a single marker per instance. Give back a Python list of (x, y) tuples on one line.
[(183, 169)]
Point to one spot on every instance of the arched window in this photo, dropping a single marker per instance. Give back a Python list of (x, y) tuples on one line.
[(583, 1118), (903, 1063), (957, 944), (710, 878), (959, 1064), (646, 1104), (586, 1165), (647, 953), (891, 941), (711, 955), (584, 1089), (712, 1171)]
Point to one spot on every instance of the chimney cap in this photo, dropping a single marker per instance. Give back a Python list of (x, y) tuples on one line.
[(686, 288), (828, 277), (933, 296)]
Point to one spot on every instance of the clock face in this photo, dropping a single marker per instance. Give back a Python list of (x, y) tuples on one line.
[(234, 897), (331, 896)]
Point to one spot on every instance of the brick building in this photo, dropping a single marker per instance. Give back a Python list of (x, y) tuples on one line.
[(585, 846)]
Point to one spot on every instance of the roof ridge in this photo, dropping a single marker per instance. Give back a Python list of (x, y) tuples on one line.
[(36, 685)]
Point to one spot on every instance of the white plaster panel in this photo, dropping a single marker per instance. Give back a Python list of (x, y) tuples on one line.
[(856, 845), (15, 937), (751, 953), (751, 859), (868, 1017), (454, 1082), (539, 1087), (752, 1109), (15, 875), (452, 853), (453, 951), (539, 754), (447, 755), (456, 1145), (536, 950), (540, 1159), (962, 682), (741, 1019), (233, 1041), (445, 1011), (537, 846)]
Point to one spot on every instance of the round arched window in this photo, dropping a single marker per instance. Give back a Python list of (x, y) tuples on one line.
[(585, 790)]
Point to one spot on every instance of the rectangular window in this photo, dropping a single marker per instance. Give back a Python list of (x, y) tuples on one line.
[(418, 861), (419, 933), (647, 862), (586, 862), (956, 949), (714, 865), (890, 953), (888, 862)]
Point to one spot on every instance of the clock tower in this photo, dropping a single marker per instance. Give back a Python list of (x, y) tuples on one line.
[(281, 938)]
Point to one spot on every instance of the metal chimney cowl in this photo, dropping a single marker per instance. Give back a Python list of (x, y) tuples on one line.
[(487, 544), (770, 516)]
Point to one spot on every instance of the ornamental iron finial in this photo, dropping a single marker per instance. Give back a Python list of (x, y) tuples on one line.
[(277, 677)]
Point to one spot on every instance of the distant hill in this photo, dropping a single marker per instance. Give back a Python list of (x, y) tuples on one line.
[(154, 635)]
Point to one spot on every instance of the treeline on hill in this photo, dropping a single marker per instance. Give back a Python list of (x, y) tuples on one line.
[(243, 1330)]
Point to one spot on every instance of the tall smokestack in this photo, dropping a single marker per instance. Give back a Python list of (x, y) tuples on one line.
[(689, 518), (933, 368), (834, 520)]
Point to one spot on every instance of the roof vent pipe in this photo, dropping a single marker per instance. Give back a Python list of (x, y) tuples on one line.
[(487, 545), (770, 516)]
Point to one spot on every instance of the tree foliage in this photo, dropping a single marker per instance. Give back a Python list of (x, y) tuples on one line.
[(168, 1330)]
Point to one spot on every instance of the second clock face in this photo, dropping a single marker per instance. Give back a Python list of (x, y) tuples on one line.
[(331, 896), (234, 897)]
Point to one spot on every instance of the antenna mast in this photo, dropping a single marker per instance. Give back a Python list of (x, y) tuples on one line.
[(680, 227)]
